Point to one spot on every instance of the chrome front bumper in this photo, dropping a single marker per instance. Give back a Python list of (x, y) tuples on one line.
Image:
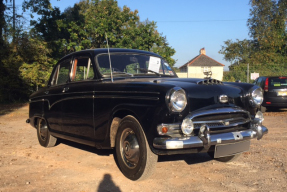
[(205, 140)]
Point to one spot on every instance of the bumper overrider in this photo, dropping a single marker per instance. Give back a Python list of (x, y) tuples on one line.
[(205, 136)]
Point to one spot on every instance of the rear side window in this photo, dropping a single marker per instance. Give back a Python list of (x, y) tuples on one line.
[(278, 82), (258, 82), (82, 69)]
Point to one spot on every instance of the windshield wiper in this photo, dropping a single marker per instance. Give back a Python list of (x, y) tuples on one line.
[(147, 70), (121, 72)]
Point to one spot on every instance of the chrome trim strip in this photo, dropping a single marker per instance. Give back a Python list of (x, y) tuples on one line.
[(38, 100), (93, 92), (127, 97), (217, 111), (129, 92), (277, 90), (61, 93), (70, 98), (194, 141), (95, 96)]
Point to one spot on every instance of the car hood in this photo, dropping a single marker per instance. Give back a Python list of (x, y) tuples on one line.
[(204, 92)]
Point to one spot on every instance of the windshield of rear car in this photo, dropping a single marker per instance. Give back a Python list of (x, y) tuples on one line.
[(130, 64), (278, 82)]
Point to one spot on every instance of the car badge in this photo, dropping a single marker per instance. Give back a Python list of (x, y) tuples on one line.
[(223, 99), (226, 123)]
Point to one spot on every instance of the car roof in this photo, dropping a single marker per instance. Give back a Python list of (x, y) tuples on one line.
[(111, 50), (274, 76)]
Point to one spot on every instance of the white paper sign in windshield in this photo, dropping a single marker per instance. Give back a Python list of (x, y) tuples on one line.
[(154, 64)]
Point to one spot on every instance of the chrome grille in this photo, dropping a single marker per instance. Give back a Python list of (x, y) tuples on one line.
[(221, 120), (221, 123)]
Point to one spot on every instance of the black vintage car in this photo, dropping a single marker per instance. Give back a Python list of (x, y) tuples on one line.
[(132, 101)]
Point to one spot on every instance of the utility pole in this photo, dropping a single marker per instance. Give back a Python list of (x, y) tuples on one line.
[(247, 72), (14, 15)]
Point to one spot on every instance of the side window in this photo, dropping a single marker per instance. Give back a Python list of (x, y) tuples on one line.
[(258, 81), (82, 69), (262, 82), (61, 74)]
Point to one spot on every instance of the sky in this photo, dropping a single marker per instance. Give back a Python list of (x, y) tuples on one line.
[(189, 25)]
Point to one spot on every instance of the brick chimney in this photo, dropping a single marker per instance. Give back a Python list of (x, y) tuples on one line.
[(202, 51)]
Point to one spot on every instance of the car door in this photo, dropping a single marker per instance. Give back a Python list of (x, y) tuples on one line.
[(78, 101), (53, 95)]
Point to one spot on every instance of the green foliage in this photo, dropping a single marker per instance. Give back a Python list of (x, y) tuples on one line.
[(84, 26), (27, 57), (38, 64), (12, 87), (266, 51)]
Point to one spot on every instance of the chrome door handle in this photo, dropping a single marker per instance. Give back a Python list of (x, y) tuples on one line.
[(65, 89)]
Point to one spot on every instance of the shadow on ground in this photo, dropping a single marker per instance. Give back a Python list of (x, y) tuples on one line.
[(107, 184), (190, 159), (101, 152), (9, 108)]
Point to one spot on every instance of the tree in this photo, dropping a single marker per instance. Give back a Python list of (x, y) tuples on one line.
[(38, 64), (12, 87), (266, 49), (85, 25)]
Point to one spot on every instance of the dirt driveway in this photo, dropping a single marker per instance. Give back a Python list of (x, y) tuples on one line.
[(26, 166)]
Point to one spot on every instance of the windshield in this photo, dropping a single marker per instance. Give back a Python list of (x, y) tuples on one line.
[(127, 64)]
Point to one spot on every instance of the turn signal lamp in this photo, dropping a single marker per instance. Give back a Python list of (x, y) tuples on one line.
[(164, 129)]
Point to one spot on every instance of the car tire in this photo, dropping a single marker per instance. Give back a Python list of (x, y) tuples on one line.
[(263, 109), (44, 137), (225, 159), (134, 157)]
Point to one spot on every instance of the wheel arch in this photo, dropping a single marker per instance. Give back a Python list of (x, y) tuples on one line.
[(115, 122), (34, 120)]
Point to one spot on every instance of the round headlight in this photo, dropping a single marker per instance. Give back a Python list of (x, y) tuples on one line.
[(256, 96), (177, 100), (187, 126)]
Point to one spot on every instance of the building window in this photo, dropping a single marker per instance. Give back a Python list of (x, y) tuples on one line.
[(183, 69), (206, 69)]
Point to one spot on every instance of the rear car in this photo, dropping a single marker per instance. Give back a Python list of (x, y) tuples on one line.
[(275, 92)]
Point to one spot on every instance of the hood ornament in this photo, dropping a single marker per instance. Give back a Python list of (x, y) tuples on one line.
[(223, 99)]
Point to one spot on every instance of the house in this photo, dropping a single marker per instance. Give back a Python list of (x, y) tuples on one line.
[(201, 66)]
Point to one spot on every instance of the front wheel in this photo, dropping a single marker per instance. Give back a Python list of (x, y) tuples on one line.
[(224, 159), (135, 159), (44, 137)]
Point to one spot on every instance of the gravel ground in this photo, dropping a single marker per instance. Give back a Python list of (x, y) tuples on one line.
[(26, 166)]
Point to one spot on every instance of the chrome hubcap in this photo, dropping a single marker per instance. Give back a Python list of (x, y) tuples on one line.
[(129, 146), (43, 130)]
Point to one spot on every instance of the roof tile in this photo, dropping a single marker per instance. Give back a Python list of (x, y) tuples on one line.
[(202, 60)]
